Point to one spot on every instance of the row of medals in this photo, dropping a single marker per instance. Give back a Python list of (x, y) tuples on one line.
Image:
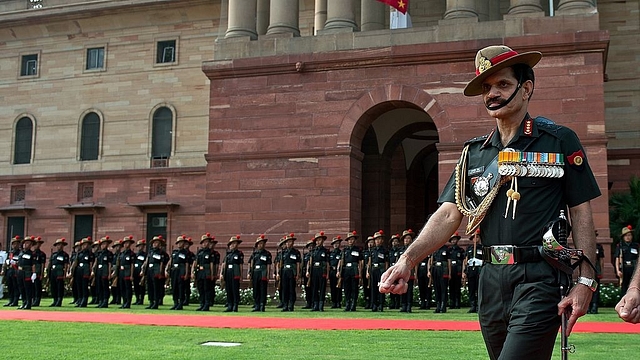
[(551, 169)]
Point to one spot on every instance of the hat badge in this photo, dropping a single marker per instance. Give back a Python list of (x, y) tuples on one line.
[(483, 64)]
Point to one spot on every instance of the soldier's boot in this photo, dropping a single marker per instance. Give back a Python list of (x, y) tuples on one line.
[(235, 307), (347, 306), (229, 308), (409, 307), (262, 307), (437, 308), (316, 306), (54, 303), (175, 305), (321, 305), (205, 307), (256, 307), (353, 306), (26, 306), (374, 308), (291, 305), (179, 306), (201, 306), (308, 305), (93, 301), (155, 305), (280, 305), (403, 308), (443, 309)]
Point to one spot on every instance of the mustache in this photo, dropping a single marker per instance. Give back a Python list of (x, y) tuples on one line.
[(501, 102)]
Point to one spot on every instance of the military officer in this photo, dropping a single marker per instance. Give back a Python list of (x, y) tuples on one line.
[(394, 254), (406, 299), (349, 270), (85, 261), (57, 269), (308, 295), (378, 263), (203, 272), (455, 282), (258, 273), (626, 257), (178, 270), (334, 259), (102, 271), (26, 272), (440, 273), (231, 271), (40, 260), (141, 256), (126, 271), (153, 272), (366, 289), (472, 266), (11, 271), (291, 268), (317, 271)]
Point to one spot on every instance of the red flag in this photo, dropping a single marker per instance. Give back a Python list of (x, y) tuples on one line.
[(400, 5)]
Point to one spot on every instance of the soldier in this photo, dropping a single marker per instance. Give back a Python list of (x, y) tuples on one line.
[(102, 272), (440, 270), (95, 246), (82, 271), (258, 273), (178, 270), (593, 307), (626, 258), (305, 279), (26, 272), (231, 272), (278, 269), (126, 271), (457, 255), (425, 283), (203, 272), (11, 271), (378, 264), (3, 259), (317, 271), (153, 272), (191, 258), (115, 273), (40, 261), (57, 269), (394, 254), (406, 299), (366, 289), (291, 268), (141, 256), (349, 270), (334, 259), (472, 266), (216, 268), (73, 260)]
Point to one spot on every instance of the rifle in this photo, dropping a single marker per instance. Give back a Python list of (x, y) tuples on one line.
[(339, 270), (115, 272), (72, 270), (620, 267)]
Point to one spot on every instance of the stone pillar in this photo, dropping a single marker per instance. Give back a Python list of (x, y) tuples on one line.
[(525, 6), (262, 19), (283, 17), (321, 15), (242, 19), (372, 15), (341, 14), (457, 9), (576, 6)]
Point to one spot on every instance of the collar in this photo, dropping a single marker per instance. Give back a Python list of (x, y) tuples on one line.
[(528, 128)]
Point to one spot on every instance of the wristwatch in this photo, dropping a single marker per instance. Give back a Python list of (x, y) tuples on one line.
[(588, 282)]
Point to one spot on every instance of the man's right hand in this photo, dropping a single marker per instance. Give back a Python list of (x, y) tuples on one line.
[(629, 306), (394, 280)]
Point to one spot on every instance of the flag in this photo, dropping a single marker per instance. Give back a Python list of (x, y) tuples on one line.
[(400, 5)]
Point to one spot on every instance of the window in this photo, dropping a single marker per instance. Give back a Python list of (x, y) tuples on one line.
[(90, 137), (18, 194), (23, 142), (85, 191), (161, 137), (166, 52), (95, 58), (29, 66), (157, 188)]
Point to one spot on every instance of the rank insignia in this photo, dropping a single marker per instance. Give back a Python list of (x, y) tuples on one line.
[(528, 127), (576, 159)]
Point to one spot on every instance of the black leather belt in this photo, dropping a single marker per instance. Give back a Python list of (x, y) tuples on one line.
[(510, 254)]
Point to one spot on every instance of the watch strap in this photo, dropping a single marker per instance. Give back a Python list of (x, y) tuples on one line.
[(592, 284)]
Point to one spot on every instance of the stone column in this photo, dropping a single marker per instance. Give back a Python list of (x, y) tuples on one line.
[(242, 19), (576, 6), (525, 6), (372, 15), (341, 14), (457, 9), (283, 17), (321, 15), (262, 19)]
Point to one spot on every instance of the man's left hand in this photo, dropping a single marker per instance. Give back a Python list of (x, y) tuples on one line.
[(576, 304)]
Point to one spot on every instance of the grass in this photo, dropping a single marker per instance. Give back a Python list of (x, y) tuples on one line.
[(67, 340)]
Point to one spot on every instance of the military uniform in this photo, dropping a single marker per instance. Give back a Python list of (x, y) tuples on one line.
[(277, 271), (11, 272), (531, 285), (406, 299), (259, 263), (140, 257), (378, 264), (40, 260), (179, 271), (424, 283), (154, 272), (472, 268), (629, 258), (57, 270), (116, 294), (102, 273), (231, 272), (319, 270), (350, 267), (26, 273), (291, 259), (455, 282), (82, 271), (394, 255), (125, 272), (305, 279), (366, 285), (204, 272), (440, 273), (593, 307), (334, 259)]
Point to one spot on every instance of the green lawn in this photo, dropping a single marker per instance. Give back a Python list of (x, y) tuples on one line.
[(52, 340)]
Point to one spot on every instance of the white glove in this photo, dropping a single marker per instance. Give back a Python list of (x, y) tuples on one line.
[(33, 277), (12, 262)]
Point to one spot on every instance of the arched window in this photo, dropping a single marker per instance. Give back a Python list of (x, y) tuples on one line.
[(161, 134), (90, 137), (24, 141)]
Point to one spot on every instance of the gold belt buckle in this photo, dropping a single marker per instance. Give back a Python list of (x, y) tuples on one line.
[(502, 254)]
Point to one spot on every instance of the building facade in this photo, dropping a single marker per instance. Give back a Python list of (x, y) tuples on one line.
[(255, 116)]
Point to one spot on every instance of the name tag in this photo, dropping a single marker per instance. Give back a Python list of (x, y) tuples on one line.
[(206, 256), (53, 266), (150, 265), (140, 257), (293, 257), (316, 264), (60, 258), (26, 256), (235, 257), (176, 265), (230, 266), (263, 258), (479, 251), (127, 258), (182, 256), (438, 263), (100, 266), (136, 265), (423, 264), (634, 251), (381, 256), (323, 254), (81, 264), (287, 266), (257, 266), (157, 257), (355, 253), (348, 264), (454, 262), (444, 253), (104, 258)]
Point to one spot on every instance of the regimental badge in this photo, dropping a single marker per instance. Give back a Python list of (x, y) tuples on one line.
[(481, 185), (483, 64), (576, 160)]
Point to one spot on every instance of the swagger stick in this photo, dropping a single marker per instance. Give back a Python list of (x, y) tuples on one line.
[(565, 347)]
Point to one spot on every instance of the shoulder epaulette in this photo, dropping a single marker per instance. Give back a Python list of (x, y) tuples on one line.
[(547, 125), (478, 139)]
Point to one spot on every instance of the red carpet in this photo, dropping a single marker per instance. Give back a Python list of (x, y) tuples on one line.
[(248, 322)]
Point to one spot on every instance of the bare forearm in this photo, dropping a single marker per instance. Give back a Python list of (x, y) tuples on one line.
[(584, 236)]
